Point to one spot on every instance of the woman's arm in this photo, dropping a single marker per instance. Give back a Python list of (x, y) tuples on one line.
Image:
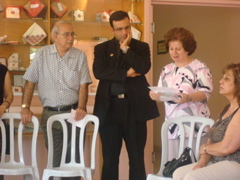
[(8, 94), (230, 142), (194, 97), (204, 158)]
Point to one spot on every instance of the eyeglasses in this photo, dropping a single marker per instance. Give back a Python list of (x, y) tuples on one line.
[(120, 29), (68, 34)]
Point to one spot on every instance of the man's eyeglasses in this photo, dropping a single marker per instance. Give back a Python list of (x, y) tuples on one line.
[(68, 34), (120, 29)]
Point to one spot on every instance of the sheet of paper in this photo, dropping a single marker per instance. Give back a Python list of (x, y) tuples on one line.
[(71, 119), (166, 93)]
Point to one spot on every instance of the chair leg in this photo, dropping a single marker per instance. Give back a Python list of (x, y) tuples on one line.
[(28, 177), (87, 175)]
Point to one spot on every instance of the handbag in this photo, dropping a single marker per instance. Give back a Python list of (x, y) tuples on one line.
[(172, 165)]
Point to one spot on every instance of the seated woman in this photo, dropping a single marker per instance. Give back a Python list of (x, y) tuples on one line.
[(220, 156)]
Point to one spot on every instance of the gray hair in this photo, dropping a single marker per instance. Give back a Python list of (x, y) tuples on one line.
[(55, 28)]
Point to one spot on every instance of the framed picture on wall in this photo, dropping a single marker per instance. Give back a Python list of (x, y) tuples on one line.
[(161, 48)]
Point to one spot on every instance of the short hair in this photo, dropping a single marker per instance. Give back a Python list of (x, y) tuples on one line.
[(55, 28), (235, 68), (117, 16), (183, 35)]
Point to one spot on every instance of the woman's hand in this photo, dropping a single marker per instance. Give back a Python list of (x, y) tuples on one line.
[(183, 98), (154, 96), (198, 166)]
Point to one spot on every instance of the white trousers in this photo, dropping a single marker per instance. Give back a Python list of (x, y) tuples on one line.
[(224, 170)]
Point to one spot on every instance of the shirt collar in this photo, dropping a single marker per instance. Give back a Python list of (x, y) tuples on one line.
[(69, 53)]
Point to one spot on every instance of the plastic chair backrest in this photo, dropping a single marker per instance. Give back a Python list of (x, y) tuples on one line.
[(191, 121), (62, 118), (14, 119)]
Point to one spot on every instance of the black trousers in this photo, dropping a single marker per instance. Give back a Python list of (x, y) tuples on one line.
[(120, 125)]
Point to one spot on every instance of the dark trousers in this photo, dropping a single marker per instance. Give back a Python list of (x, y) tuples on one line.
[(58, 140), (119, 125)]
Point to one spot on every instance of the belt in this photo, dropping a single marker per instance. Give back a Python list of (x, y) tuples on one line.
[(120, 96), (62, 108)]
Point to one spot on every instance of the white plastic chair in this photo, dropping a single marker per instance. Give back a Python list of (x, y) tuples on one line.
[(15, 166), (72, 168), (181, 121)]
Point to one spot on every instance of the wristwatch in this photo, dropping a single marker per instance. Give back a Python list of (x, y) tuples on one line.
[(25, 106)]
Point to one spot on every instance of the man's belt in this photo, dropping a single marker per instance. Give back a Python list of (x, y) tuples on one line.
[(120, 96), (62, 108)]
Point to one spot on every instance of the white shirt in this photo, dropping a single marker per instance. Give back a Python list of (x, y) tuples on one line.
[(58, 78)]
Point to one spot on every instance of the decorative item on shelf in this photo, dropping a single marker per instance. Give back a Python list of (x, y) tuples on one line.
[(12, 42), (136, 34), (2, 39), (17, 89), (1, 8), (13, 62), (103, 16), (102, 39), (3, 61), (33, 51), (77, 15), (13, 12), (18, 80), (35, 9), (133, 18), (34, 35), (58, 9)]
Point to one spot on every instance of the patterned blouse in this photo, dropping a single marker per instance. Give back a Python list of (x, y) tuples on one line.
[(216, 134), (194, 77)]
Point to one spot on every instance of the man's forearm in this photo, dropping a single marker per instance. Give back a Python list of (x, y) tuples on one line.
[(83, 96), (28, 93)]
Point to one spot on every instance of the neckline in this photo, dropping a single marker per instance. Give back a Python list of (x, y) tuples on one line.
[(231, 114), (185, 65)]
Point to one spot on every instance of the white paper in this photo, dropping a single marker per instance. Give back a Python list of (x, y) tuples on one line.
[(71, 119), (166, 93)]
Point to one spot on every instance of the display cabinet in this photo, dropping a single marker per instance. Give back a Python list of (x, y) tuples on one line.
[(84, 15)]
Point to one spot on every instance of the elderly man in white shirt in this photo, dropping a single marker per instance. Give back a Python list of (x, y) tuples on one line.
[(62, 74)]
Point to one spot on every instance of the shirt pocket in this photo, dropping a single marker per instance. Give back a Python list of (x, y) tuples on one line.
[(72, 79)]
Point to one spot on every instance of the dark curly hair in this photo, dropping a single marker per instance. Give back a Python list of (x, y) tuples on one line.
[(182, 35), (235, 68)]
